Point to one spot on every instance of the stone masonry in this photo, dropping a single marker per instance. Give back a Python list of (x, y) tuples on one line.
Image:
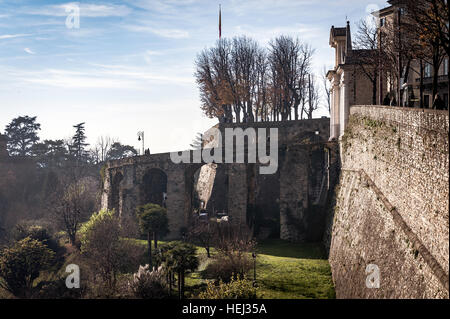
[(392, 206)]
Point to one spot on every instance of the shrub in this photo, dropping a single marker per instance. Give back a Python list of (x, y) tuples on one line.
[(101, 245), (21, 264), (38, 233), (227, 267), (148, 284), (202, 233), (233, 245), (180, 258), (56, 289), (239, 288)]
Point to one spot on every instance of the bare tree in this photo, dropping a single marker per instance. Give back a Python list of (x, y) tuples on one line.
[(313, 97), (202, 233), (290, 62), (74, 202), (231, 78), (428, 23), (239, 81), (326, 87), (262, 105), (368, 55), (104, 144)]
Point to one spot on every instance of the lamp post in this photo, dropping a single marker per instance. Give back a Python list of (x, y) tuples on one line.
[(141, 137), (255, 284)]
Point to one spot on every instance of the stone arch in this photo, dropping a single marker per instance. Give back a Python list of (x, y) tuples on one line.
[(267, 205), (115, 192), (154, 187)]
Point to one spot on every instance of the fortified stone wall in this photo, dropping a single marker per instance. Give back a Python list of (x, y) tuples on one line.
[(392, 204)]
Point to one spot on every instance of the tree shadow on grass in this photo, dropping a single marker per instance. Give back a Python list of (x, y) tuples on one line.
[(282, 248)]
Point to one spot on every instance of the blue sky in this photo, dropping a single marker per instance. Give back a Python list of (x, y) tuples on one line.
[(130, 65)]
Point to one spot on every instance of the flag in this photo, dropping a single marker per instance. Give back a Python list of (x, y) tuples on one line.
[(220, 22)]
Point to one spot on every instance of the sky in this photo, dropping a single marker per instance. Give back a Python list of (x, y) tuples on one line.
[(128, 65)]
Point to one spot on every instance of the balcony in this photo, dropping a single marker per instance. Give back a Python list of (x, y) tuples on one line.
[(429, 80)]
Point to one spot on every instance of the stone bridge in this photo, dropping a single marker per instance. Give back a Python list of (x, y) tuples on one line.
[(283, 204)]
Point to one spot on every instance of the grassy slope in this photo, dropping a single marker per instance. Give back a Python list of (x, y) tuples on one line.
[(284, 271)]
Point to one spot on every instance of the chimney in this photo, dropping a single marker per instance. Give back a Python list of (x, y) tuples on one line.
[(348, 40)]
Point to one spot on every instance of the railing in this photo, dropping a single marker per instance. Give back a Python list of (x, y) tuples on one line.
[(429, 80)]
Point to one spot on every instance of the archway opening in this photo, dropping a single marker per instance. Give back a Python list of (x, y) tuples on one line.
[(115, 192), (210, 191), (154, 187)]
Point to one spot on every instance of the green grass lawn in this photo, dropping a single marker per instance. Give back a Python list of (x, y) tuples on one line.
[(284, 270), (293, 271)]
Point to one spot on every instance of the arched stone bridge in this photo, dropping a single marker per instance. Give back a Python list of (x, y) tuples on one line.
[(281, 204)]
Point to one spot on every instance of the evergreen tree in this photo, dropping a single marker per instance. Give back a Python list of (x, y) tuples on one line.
[(119, 151), (78, 147), (22, 135)]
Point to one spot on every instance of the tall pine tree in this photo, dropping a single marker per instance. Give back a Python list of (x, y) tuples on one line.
[(78, 147)]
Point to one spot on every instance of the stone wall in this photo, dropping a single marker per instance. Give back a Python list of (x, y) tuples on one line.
[(392, 204)]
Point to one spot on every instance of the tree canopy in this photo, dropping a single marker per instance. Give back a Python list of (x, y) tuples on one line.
[(240, 81), (22, 135)]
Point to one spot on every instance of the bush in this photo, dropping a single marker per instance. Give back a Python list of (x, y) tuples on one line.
[(56, 289), (21, 264), (232, 260), (38, 233), (148, 284), (239, 288), (227, 267), (102, 247)]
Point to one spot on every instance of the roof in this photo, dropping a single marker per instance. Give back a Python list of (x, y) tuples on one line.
[(339, 32), (358, 56)]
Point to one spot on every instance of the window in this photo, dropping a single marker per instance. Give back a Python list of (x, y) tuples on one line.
[(382, 22), (426, 101), (445, 68), (427, 70)]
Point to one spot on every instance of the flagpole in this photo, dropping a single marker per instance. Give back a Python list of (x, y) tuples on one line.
[(220, 21)]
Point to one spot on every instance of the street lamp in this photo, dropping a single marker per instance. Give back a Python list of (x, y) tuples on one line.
[(141, 137), (255, 284)]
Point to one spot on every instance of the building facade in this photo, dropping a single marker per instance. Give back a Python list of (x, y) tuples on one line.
[(389, 19), (349, 85)]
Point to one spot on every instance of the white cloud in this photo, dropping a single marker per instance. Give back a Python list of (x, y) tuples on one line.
[(89, 10), (162, 32), (163, 6), (101, 76), (10, 36), (29, 51)]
